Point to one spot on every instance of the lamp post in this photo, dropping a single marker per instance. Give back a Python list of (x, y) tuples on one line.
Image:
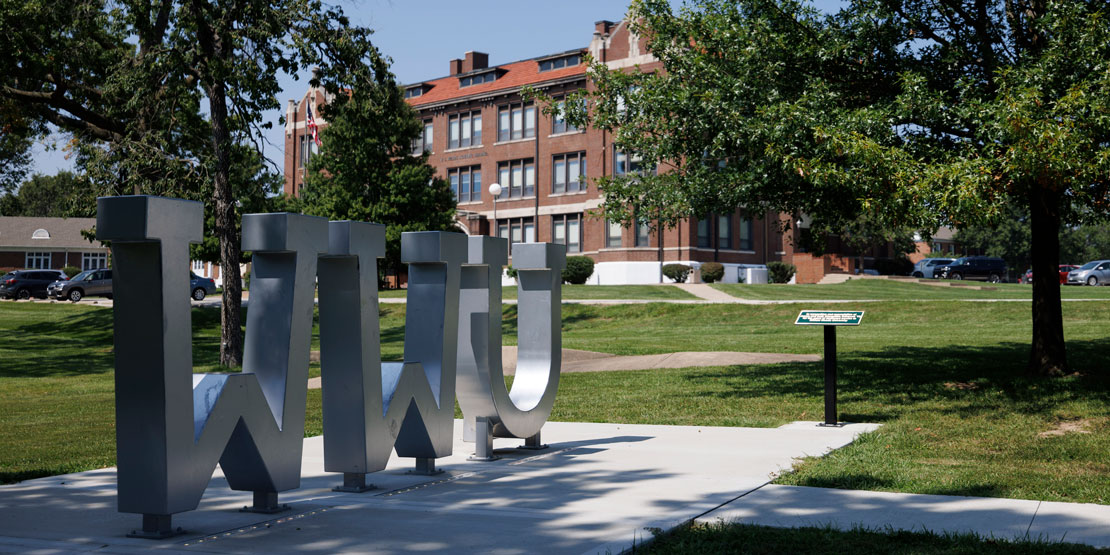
[(495, 191)]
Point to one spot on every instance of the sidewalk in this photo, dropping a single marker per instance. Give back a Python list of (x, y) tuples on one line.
[(794, 506)]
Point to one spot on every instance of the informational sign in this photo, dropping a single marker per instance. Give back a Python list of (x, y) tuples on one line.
[(829, 318)]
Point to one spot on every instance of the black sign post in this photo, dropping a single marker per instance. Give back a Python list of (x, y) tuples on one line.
[(830, 320)]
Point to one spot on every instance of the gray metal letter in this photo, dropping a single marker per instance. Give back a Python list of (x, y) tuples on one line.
[(371, 407), (173, 426), (483, 397)]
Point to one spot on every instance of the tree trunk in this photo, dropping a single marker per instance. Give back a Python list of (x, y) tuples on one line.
[(1047, 356), (231, 328)]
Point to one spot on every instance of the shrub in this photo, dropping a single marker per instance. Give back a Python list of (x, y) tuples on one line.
[(780, 272), (677, 272), (712, 271), (578, 270), (71, 271), (510, 271)]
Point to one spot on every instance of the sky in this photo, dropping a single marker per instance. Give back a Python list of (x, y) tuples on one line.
[(421, 36)]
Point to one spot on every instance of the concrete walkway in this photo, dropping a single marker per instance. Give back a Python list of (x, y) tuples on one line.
[(598, 488), (590, 361), (793, 506), (705, 292)]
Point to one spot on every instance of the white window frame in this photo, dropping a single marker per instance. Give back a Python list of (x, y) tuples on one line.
[(36, 260), (94, 260)]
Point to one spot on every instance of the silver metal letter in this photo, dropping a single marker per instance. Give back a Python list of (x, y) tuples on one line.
[(370, 408), (172, 426), (489, 409)]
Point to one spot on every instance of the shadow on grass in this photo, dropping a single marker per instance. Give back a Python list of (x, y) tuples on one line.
[(968, 381)]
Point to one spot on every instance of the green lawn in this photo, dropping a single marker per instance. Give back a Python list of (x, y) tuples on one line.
[(601, 292), (897, 290), (718, 538), (945, 378)]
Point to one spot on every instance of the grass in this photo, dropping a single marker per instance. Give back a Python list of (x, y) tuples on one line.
[(945, 378), (739, 538), (896, 290), (596, 292)]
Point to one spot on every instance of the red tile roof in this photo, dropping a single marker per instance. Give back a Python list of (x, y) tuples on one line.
[(513, 75)]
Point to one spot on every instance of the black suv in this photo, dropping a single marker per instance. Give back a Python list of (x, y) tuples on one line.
[(982, 268), (22, 284)]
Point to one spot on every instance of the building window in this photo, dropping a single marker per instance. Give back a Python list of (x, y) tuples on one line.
[(568, 173), (40, 234), (517, 230), (643, 236), (466, 183), (558, 121), (613, 234), (464, 129), (414, 92), (745, 234), (560, 63), (566, 229), (517, 178), (625, 163), (703, 233), (516, 121), (198, 267), (308, 148), (94, 260), (477, 79), (37, 261), (724, 232), (423, 142)]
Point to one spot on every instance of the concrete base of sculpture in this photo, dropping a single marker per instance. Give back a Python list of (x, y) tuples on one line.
[(597, 488)]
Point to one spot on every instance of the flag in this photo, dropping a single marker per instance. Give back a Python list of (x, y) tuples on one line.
[(311, 123)]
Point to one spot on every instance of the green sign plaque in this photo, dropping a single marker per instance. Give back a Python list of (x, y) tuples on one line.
[(829, 318)]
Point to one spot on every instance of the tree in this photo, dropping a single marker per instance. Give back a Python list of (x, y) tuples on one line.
[(365, 171), (127, 79), (44, 196), (917, 113)]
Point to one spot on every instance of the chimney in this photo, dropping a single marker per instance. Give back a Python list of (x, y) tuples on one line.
[(456, 66), (602, 27), (475, 60)]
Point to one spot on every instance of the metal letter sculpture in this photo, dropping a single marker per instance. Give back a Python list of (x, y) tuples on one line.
[(489, 409), (370, 408), (170, 433)]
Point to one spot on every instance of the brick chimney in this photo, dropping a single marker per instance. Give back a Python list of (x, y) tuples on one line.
[(602, 27), (475, 60), (456, 66)]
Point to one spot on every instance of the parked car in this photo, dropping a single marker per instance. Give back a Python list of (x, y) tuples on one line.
[(1027, 277), (1065, 269), (926, 267), (199, 287), (23, 284), (1091, 273), (99, 283), (85, 284), (983, 268)]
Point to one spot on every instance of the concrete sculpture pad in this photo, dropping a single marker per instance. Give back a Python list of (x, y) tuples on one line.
[(594, 491)]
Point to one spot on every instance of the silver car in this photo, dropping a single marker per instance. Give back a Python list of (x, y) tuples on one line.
[(926, 267), (1091, 273), (87, 283)]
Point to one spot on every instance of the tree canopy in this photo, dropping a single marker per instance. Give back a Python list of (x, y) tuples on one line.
[(915, 113), (128, 80), (365, 171)]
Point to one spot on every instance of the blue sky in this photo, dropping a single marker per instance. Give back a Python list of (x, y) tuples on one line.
[(421, 36)]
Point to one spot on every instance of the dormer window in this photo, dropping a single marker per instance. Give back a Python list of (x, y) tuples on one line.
[(560, 62), (416, 90), (40, 234), (478, 79)]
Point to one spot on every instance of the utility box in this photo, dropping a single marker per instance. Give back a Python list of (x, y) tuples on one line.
[(755, 275)]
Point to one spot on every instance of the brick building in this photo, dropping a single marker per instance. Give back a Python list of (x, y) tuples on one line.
[(48, 244), (479, 130)]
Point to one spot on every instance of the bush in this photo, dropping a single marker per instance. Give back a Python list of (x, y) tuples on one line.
[(578, 270), (510, 271), (71, 271), (712, 271), (677, 272), (780, 272)]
